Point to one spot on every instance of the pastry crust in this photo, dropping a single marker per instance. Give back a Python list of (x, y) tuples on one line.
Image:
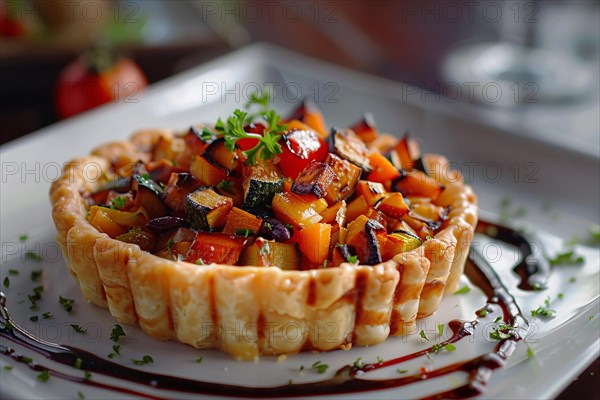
[(248, 311)]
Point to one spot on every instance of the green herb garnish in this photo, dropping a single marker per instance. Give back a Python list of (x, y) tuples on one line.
[(145, 360), (359, 363), (543, 310), (567, 258), (423, 335), (78, 362), (34, 318), (6, 282), (67, 304), (13, 272), (80, 395), (440, 328), (47, 315), (226, 186), (77, 328), (23, 238), (87, 375), (463, 290), (199, 359), (8, 367), (245, 233), (118, 202), (44, 376), (572, 279), (233, 130), (352, 259), (116, 333), (379, 360), (320, 367), (36, 275), (31, 255), (401, 371), (530, 352)]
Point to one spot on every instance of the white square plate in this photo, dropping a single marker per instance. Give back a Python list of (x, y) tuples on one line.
[(558, 188)]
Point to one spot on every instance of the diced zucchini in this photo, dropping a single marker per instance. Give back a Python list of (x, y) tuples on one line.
[(401, 241), (270, 253), (261, 183), (314, 179), (207, 210)]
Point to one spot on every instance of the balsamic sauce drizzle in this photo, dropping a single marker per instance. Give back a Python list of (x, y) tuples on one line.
[(348, 378)]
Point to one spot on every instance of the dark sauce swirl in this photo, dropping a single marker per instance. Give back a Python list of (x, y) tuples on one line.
[(347, 379)]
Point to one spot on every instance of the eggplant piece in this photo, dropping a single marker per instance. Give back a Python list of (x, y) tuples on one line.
[(262, 183), (143, 238), (348, 175), (147, 194), (374, 232), (366, 129), (314, 179), (207, 210), (167, 223), (120, 185), (178, 188), (274, 229), (217, 154), (349, 146)]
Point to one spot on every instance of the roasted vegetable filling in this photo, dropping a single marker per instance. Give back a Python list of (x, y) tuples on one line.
[(258, 190)]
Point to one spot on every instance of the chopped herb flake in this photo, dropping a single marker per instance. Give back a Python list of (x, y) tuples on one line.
[(567, 258), (8, 367), (226, 186), (66, 303), (440, 328), (199, 359), (44, 376), (572, 279), (463, 290), (47, 315), (27, 360), (379, 360), (116, 333), (543, 310), (78, 329), (560, 296), (118, 202), (13, 272), (359, 363), (320, 367), (352, 259), (483, 313), (23, 238), (449, 347), (401, 371), (87, 375), (34, 256), (423, 335), (34, 318), (36, 275), (6, 282), (117, 348), (530, 352), (170, 244), (80, 395), (78, 362), (145, 360), (244, 232)]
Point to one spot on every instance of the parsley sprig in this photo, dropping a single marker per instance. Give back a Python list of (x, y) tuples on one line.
[(543, 310), (233, 130)]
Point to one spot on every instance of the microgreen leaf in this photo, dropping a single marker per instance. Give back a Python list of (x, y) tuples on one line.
[(463, 290)]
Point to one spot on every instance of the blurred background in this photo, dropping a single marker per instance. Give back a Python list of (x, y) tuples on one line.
[(59, 58)]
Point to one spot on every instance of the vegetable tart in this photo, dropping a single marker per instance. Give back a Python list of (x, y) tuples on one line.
[(265, 236)]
